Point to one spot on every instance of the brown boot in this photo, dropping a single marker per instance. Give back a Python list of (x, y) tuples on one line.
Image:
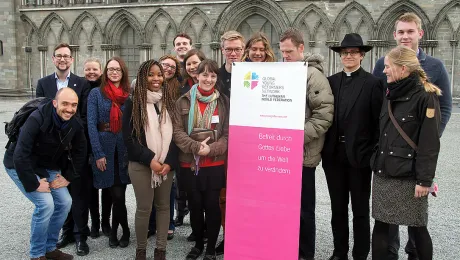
[(141, 254), (38, 258), (58, 255), (159, 254)]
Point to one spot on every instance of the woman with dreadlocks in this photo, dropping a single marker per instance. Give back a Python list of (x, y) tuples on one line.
[(171, 68), (147, 131), (201, 133), (109, 162)]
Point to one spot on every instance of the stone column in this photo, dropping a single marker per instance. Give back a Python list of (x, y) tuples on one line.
[(28, 50), (90, 49), (198, 45), (74, 52), (454, 44), (144, 52), (43, 53), (375, 52), (215, 46), (163, 47), (331, 57), (109, 51)]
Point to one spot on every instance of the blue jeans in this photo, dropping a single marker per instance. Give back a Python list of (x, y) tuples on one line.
[(50, 212)]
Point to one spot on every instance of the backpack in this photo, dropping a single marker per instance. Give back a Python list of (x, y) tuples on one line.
[(13, 127)]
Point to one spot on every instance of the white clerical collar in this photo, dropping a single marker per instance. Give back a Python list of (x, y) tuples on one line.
[(348, 73)]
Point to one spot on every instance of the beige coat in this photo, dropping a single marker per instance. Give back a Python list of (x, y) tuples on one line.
[(319, 111)]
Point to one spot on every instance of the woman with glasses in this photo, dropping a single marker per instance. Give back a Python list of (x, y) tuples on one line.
[(109, 157), (171, 68), (258, 49)]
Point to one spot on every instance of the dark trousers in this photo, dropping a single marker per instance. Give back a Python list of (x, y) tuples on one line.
[(77, 219), (93, 204), (383, 237), (307, 234), (345, 181), (181, 195), (153, 222), (119, 212), (394, 243)]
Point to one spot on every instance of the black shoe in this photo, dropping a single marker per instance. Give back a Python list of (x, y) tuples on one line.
[(191, 238), (337, 258), (94, 233), (179, 221), (171, 235), (411, 257), (82, 248), (106, 229), (64, 240), (124, 241), (194, 254), (210, 257), (220, 249), (113, 240)]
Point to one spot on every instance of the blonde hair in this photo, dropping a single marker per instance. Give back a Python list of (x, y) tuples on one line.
[(408, 18), (405, 56), (260, 37), (231, 36), (93, 59)]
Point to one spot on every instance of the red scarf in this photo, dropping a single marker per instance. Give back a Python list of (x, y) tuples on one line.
[(118, 97)]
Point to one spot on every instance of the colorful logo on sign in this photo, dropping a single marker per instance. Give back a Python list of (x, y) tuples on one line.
[(251, 80)]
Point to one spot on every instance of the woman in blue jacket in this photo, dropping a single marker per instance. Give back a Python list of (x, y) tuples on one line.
[(109, 160)]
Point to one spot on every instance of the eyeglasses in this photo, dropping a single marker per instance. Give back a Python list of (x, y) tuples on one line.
[(118, 70), (352, 53), (167, 66), (66, 57), (230, 50)]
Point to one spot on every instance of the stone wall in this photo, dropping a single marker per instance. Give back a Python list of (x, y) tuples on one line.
[(143, 30)]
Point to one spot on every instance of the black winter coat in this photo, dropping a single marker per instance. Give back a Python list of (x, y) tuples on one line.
[(419, 115), (42, 146), (139, 152)]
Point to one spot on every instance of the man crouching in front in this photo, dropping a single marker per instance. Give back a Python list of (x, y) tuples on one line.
[(49, 154)]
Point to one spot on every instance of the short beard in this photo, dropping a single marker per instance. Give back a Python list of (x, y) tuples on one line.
[(62, 70)]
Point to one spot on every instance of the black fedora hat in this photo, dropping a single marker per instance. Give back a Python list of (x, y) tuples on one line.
[(352, 40)]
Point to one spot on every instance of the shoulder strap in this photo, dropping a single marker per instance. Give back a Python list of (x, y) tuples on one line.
[(400, 130)]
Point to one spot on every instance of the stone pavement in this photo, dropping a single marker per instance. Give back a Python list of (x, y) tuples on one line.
[(444, 224)]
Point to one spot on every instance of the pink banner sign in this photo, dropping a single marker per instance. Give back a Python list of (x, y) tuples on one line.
[(264, 175)]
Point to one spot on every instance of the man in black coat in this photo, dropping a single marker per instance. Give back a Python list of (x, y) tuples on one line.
[(47, 87), (348, 147), (49, 153)]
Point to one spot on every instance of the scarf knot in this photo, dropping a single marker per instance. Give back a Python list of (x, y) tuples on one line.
[(195, 118), (118, 98)]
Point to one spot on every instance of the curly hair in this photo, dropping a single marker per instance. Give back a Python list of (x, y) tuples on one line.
[(139, 116)]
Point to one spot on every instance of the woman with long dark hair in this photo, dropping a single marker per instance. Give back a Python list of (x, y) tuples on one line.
[(147, 131), (109, 157), (192, 60)]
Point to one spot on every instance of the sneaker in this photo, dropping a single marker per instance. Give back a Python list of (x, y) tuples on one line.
[(58, 255)]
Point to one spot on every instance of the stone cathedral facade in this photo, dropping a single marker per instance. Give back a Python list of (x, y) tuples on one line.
[(138, 30)]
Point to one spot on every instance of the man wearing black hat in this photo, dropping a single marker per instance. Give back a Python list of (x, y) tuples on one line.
[(348, 147)]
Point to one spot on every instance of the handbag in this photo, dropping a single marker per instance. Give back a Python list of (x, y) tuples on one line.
[(200, 134)]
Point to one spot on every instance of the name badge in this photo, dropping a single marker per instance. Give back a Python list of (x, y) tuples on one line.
[(214, 119)]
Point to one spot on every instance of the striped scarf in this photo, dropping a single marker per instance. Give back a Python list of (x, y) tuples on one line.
[(195, 118)]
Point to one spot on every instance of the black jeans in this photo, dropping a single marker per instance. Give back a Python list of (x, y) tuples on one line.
[(93, 204), (77, 219), (307, 235), (345, 181), (181, 194), (382, 238)]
